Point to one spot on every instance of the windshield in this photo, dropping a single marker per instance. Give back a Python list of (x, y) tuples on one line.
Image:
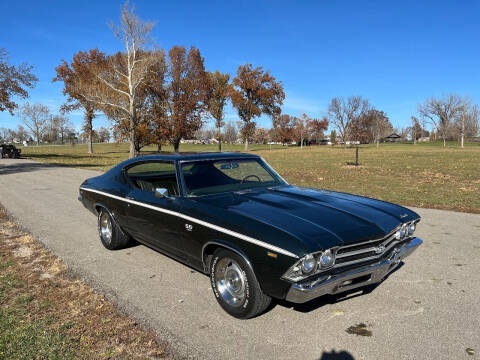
[(216, 176)]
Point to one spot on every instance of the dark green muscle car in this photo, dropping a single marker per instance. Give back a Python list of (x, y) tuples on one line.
[(231, 216)]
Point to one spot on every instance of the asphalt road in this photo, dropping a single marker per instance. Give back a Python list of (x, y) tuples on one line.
[(428, 309)]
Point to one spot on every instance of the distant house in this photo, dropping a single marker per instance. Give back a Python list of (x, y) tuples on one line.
[(393, 137), (424, 139)]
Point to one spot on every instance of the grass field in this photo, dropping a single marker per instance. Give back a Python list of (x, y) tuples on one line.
[(423, 175), (45, 314)]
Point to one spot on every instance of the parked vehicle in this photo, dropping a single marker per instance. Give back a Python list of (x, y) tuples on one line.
[(9, 151), (234, 218)]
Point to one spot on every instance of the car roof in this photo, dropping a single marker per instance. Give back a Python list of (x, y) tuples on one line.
[(187, 156)]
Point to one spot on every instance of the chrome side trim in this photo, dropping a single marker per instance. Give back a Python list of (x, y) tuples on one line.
[(201, 222)]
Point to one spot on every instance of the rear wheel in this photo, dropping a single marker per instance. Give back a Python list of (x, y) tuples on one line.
[(235, 286), (112, 237)]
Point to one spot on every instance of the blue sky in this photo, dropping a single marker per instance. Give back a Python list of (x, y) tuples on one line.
[(396, 54)]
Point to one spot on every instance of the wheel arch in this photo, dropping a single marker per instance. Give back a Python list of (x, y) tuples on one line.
[(98, 205), (211, 246)]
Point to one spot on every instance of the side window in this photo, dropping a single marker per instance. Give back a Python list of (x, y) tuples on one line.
[(151, 175)]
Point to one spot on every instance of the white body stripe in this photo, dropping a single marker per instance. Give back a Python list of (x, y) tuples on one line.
[(204, 223)]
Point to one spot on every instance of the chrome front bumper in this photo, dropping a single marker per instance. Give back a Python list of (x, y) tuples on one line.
[(363, 276)]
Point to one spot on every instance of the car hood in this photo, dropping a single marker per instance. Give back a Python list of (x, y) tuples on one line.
[(314, 219)]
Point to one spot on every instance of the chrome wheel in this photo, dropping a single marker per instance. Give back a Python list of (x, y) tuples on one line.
[(231, 282), (106, 227)]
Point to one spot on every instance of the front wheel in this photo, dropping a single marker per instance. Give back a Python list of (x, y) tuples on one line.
[(112, 237), (235, 286)]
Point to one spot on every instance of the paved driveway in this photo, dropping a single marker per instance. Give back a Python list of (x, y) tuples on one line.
[(428, 309)]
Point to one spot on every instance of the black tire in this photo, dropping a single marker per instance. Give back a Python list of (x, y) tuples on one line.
[(117, 239), (252, 301)]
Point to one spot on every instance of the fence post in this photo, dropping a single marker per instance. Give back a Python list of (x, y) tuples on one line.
[(356, 155)]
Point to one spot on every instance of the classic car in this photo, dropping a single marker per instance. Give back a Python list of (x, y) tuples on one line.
[(231, 216), (9, 151)]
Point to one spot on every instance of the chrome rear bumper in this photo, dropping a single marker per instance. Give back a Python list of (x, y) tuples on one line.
[(363, 276)]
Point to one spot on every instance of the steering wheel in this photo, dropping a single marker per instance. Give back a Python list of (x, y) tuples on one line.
[(249, 176)]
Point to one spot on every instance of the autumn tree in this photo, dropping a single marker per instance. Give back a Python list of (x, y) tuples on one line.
[(342, 113), (218, 94), (371, 126), (316, 129), (284, 126), (179, 102), (441, 112), (78, 78), (14, 81), (255, 92), (35, 117)]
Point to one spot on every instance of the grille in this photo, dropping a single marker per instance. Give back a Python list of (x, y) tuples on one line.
[(368, 251)]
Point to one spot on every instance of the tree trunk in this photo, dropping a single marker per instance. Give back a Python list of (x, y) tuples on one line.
[(377, 143), (219, 135), (176, 145), (443, 137), (462, 141), (90, 144), (89, 126), (246, 144), (159, 147), (132, 152)]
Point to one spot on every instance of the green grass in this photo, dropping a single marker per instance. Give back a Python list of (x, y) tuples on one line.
[(23, 335), (424, 175)]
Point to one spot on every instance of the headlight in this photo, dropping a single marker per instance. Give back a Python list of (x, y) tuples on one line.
[(311, 264), (411, 229), (308, 265), (327, 259), (403, 231)]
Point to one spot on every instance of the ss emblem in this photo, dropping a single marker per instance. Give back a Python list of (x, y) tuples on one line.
[(188, 227)]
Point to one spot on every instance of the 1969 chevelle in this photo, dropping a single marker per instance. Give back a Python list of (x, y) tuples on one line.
[(231, 216)]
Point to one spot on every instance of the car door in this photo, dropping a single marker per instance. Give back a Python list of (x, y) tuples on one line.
[(151, 219)]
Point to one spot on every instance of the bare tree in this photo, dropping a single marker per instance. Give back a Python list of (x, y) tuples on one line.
[(343, 113), (21, 133), (13, 82), (254, 92), (60, 126), (301, 126), (230, 132), (103, 134), (120, 78), (466, 122), (441, 112), (415, 126), (35, 117)]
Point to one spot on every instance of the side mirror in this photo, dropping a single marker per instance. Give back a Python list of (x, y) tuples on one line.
[(161, 192)]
